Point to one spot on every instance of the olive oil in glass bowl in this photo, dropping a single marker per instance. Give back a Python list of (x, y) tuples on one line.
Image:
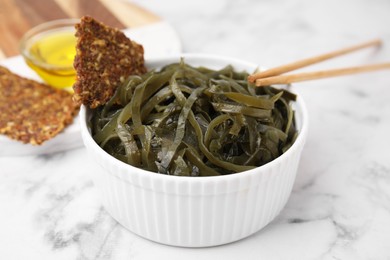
[(49, 49)]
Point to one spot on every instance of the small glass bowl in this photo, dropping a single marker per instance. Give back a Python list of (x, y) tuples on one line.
[(49, 49)]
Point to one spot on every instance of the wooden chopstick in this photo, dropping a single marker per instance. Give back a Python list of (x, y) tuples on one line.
[(309, 61), (286, 79)]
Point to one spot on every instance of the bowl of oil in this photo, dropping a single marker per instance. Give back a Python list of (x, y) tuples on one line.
[(49, 49)]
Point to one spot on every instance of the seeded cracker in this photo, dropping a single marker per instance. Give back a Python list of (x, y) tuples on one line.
[(105, 57), (32, 112)]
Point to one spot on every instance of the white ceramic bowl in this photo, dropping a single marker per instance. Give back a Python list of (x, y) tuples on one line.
[(196, 211)]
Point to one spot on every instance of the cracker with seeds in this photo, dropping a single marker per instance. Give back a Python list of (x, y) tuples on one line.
[(105, 57), (32, 112)]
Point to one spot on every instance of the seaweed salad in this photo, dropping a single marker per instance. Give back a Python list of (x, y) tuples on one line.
[(189, 121)]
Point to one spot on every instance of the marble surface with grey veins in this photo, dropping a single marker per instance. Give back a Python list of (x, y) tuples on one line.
[(340, 204)]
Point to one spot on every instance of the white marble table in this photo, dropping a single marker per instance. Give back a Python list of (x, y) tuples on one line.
[(340, 205)]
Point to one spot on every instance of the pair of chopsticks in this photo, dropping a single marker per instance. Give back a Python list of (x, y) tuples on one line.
[(273, 76)]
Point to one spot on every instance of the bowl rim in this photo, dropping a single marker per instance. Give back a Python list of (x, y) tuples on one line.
[(65, 23), (300, 141)]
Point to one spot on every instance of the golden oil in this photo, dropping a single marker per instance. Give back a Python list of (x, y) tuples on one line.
[(51, 56)]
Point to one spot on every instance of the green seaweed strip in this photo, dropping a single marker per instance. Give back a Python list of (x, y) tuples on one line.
[(181, 123), (131, 148), (210, 129), (135, 104), (234, 85), (258, 102), (204, 170), (240, 109), (160, 96), (238, 123), (108, 129)]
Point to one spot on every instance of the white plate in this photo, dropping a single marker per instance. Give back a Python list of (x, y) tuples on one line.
[(158, 40)]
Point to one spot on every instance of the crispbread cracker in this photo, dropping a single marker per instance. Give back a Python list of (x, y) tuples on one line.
[(32, 112), (105, 57)]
